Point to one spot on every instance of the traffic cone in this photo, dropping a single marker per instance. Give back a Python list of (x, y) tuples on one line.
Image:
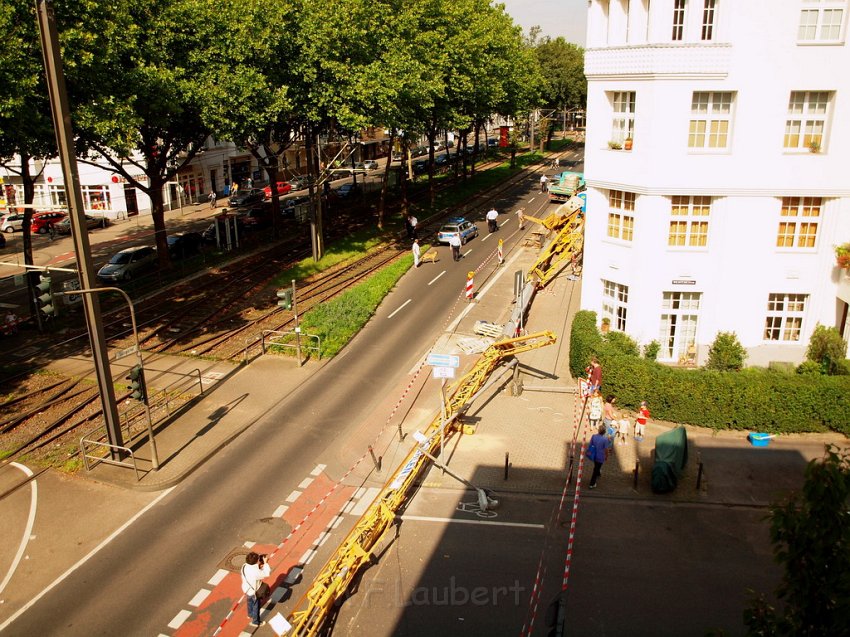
[(469, 286)]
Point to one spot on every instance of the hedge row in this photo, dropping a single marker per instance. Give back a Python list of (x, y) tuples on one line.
[(754, 399)]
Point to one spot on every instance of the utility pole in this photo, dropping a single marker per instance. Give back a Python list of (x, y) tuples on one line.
[(79, 233)]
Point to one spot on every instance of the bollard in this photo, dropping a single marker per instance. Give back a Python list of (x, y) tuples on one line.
[(501, 252), (699, 470), (377, 460), (507, 464), (469, 286), (637, 472)]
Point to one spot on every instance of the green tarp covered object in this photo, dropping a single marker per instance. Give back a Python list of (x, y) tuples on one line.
[(671, 456)]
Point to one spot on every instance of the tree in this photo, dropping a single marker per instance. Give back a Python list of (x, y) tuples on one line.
[(827, 348), (726, 353), (140, 96), (565, 85), (810, 532)]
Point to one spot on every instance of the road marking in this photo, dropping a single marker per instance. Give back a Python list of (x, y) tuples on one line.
[(324, 538), (198, 599), (436, 277), (178, 620), (306, 482), (336, 523), (468, 252), (278, 512), (423, 518), (293, 496), (453, 325), (530, 200), (27, 529), (365, 501), (399, 309), (319, 468), (248, 545), (216, 579), (307, 557)]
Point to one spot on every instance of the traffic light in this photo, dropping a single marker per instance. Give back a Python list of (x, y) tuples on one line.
[(137, 383), (285, 297), (46, 303)]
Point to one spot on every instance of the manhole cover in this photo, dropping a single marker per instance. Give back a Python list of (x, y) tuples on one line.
[(235, 559)]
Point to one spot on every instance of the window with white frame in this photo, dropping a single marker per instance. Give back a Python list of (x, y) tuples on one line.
[(784, 320), (96, 198), (679, 318), (822, 21), (623, 123), (807, 117), (615, 301), (621, 215), (711, 120), (689, 221), (58, 196), (709, 15), (678, 20), (798, 222)]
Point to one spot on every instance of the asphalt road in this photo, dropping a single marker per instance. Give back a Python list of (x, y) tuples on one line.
[(137, 582)]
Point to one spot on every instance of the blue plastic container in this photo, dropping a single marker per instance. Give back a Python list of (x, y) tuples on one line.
[(759, 439)]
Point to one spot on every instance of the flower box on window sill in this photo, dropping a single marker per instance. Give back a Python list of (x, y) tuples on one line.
[(615, 145)]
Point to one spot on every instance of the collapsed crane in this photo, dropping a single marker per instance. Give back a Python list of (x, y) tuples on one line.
[(568, 222), (355, 552)]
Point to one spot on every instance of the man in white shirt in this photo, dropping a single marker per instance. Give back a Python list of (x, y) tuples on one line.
[(492, 223), (544, 181), (416, 253), (254, 570), (454, 242)]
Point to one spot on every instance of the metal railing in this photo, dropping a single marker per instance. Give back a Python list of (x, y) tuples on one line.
[(96, 460), (306, 346)]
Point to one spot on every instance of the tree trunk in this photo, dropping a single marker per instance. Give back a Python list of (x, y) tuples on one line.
[(385, 182), (158, 215), (32, 276), (432, 138), (268, 161)]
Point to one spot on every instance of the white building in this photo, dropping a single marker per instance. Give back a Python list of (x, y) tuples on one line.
[(717, 154)]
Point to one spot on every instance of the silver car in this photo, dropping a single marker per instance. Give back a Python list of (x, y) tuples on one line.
[(11, 222), (128, 263)]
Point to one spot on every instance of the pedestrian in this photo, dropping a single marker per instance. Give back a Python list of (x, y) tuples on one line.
[(594, 377), (609, 415), (255, 568), (595, 412), (454, 242), (640, 421), (212, 198), (520, 217), (234, 188), (492, 223), (597, 451), (412, 222), (52, 230), (416, 253), (544, 183), (249, 183)]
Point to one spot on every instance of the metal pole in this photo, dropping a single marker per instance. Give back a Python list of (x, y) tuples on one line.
[(60, 111), (154, 455), (442, 419), (297, 329)]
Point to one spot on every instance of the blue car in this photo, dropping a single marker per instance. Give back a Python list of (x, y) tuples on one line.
[(455, 225)]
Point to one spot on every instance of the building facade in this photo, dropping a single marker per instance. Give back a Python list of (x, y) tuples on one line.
[(716, 152)]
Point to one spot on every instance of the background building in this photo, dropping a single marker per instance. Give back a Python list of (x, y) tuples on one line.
[(716, 160)]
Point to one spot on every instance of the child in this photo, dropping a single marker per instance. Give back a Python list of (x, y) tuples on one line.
[(623, 430), (640, 422), (595, 413)]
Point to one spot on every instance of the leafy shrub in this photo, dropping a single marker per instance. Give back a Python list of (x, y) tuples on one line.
[(809, 367), (827, 348), (620, 343), (651, 349), (726, 353), (585, 341), (842, 368)]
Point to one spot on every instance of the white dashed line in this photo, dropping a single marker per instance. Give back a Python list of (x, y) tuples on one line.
[(293, 496), (358, 494), (365, 501), (307, 557), (399, 309), (323, 538), (436, 277), (248, 545), (530, 200), (198, 599), (278, 512), (336, 523), (216, 579), (319, 468), (178, 620), (306, 482)]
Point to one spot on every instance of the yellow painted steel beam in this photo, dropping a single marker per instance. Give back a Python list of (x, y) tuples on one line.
[(355, 551), (568, 242)]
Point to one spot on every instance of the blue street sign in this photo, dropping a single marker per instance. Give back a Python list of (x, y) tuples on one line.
[(443, 360)]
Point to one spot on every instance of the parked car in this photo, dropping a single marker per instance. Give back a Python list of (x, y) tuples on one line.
[(348, 191), (288, 206), (247, 197), (11, 221), (441, 160), (209, 234), (467, 230), (420, 167), (301, 182), (182, 245), (340, 173), (283, 187), (41, 221), (64, 226), (419, 151), (367, 165), (492, 142), (255, 218), (128, 263)]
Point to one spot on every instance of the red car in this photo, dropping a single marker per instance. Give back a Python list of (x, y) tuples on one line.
[(283, 187), (41, 221)]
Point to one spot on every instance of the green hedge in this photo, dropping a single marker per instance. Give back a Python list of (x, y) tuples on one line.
[(753, 399)]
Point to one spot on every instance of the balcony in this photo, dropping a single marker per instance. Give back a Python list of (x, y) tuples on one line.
[(703, 61)]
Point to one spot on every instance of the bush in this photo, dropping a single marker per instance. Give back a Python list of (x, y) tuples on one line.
[(726, 353), (585, 341), (827, 348), (651, 349), (620, 343), (842, 368), (809, 367)]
